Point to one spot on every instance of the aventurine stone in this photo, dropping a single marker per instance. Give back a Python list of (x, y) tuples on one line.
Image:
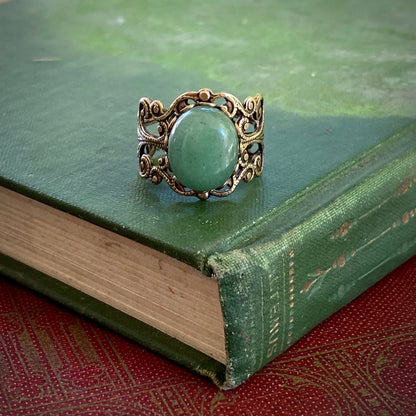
[(203, 148)]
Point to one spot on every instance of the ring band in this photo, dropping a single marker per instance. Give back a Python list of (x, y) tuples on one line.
[(205, 142)]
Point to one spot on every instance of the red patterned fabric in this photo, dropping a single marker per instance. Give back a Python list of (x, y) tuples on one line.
[(361, 361)]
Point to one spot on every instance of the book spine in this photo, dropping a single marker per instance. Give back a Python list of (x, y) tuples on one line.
[(277, 289)]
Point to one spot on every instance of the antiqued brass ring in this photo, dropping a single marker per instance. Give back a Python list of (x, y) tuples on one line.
[(205, 143)]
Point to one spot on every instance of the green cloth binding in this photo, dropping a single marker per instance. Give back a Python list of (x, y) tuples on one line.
[(338, 82)]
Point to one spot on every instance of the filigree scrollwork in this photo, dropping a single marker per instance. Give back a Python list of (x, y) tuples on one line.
[(155, 123)]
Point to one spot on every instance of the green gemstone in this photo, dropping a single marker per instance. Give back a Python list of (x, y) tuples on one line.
[(203, 148)]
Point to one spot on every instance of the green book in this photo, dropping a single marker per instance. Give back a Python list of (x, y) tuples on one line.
[(225, 285)]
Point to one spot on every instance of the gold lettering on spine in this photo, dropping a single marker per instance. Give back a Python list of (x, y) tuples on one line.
[(273, 333), (291, 279), (274, 314), (275, 299)]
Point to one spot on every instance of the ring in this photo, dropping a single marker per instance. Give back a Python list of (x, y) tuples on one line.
[(204, 144)]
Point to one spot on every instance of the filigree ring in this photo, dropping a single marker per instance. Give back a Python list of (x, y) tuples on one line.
[(204, 144)]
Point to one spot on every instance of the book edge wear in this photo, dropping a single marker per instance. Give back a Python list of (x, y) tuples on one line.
[(365, 232), (298, 265)]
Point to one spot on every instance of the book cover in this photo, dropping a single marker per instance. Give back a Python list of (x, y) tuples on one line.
[(334, 209), (55, 362)]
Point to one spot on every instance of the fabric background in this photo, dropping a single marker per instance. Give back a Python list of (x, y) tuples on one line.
[(361, 361)]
